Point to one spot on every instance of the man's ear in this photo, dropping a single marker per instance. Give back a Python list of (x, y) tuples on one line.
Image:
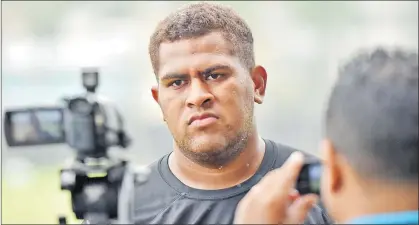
[(259, 77), (155, 92), (332, 164)]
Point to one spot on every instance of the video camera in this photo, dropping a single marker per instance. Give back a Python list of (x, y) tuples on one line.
[(94, 177)]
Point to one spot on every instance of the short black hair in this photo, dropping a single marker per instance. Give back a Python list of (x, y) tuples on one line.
[(372, 115), (198, 19)]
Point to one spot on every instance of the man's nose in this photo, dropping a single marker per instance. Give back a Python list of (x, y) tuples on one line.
[(199, 95)]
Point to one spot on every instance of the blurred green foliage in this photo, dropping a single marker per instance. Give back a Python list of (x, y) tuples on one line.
[(41, 202)]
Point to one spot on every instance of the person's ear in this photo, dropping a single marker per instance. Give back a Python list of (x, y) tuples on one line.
[(155, 92), (332, 167), (259, 77)]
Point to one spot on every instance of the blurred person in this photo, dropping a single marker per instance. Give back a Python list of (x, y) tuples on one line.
[(369, 153), (207, 84)]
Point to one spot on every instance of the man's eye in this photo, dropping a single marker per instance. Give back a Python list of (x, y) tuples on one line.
[(213, 76), (177, 83)]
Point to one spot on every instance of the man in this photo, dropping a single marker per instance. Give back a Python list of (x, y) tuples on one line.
[(207, 83), (370, 150)]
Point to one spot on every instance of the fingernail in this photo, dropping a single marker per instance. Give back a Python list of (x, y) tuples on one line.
[(297, 156), (294, 192)]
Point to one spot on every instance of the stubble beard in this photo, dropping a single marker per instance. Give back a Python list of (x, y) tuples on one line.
[(219, 154)]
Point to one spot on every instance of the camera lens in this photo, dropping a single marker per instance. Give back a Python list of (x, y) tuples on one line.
[(315, 176), (80, 106)]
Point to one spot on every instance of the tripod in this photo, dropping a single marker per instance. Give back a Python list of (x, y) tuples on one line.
[(95, 187)]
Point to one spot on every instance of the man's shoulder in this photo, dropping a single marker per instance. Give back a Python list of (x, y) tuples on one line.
[(283, 151), (154, 173), (154, 166), (144, 192), (145, 177)]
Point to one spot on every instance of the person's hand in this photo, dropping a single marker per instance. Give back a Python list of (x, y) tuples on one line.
[(274, 200)]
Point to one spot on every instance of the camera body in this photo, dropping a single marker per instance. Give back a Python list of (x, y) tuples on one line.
[(83, 122)]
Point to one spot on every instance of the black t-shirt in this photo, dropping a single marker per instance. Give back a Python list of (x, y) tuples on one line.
[(164, 199)]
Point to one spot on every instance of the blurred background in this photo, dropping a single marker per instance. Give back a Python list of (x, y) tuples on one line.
[(45, 45)]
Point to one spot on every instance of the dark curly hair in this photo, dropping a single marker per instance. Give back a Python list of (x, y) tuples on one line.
[(198, 19)]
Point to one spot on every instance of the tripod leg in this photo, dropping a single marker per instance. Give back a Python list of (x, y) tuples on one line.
[(62, 220)]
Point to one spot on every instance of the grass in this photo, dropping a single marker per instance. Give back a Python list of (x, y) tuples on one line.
[(40, 202)]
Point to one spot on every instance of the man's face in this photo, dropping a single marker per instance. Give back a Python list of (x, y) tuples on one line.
[(206, 96)]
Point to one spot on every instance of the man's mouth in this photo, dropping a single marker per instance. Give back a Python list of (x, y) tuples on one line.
[(202, 120)]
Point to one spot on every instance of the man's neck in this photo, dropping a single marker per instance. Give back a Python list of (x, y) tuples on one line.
[(379, 199), (237, 171)]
